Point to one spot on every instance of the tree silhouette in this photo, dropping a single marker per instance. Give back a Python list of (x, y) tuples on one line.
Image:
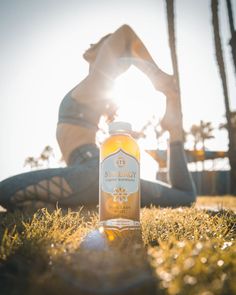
[(46, 155), (32, 162), (172, 45), (36, 162), (221, 66), (200, 134), (233, 122), (232, 31)]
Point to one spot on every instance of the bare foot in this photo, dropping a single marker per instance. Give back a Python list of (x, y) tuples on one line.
[(172, 120), (165, 83)]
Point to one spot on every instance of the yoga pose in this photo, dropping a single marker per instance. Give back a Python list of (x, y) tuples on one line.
[(79, 115)]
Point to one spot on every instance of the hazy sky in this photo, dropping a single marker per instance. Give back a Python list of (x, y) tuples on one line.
[(42, 43)]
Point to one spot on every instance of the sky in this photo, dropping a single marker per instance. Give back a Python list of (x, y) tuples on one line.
[(42, 43)]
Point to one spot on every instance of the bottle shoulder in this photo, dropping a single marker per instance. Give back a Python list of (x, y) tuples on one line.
[(120, 141), (117, 137)]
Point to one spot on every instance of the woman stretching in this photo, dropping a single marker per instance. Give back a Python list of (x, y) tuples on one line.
[(79, 115)]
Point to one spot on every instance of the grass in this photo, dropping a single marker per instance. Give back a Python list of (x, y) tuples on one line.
[(179, 251)]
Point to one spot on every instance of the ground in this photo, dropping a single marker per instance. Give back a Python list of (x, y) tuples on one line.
[(178, 251)]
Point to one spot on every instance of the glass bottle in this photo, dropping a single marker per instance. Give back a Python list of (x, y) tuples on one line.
[(119, 179)]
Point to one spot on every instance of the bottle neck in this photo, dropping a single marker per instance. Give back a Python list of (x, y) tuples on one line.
[(119, 132)]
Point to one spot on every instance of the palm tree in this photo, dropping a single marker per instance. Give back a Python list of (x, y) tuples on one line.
[(46, 154), (233, 32), (233, 122), (205, 132), (194, 132), (172, 44), (221, 66), (32, 162), (171, 32), (201, 133)]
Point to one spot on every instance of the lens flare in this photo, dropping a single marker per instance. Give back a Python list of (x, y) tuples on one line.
[(137, 99)]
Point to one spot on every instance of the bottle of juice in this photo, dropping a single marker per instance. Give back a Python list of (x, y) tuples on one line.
[(119, 183)]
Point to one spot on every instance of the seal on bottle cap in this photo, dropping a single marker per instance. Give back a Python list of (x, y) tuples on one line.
[(119, 126)]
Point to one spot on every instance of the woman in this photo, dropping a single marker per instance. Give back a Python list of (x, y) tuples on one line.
[(79, 115)]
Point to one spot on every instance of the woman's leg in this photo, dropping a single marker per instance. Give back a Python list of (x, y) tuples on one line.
[(181, 190), (66, 187)]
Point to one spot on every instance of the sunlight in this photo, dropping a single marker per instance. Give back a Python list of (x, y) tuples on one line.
[(138, 102)]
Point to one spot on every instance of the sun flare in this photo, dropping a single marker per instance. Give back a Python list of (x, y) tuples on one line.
[(138, 102)]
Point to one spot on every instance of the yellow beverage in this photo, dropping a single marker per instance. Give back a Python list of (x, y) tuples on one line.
[(119, 198)]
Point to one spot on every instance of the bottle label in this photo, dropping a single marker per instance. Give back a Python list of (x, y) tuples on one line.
[(119, 183)]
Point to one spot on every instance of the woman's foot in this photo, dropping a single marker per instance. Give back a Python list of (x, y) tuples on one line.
[(172, 120), (165, 83)]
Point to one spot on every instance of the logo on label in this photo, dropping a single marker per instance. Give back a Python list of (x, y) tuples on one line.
[(120, 162), (120, 176), (120, 195)]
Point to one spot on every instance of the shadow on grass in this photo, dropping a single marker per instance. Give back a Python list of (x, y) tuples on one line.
[(104, 263)]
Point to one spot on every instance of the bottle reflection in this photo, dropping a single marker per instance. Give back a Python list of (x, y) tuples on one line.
[(118, 260)]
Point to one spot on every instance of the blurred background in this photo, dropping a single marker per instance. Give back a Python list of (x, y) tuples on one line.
[(42, 43)]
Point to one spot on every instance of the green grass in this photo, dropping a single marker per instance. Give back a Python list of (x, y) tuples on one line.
[(181, 251)]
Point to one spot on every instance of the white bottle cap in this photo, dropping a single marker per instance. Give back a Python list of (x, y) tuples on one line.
[(119, 126)]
